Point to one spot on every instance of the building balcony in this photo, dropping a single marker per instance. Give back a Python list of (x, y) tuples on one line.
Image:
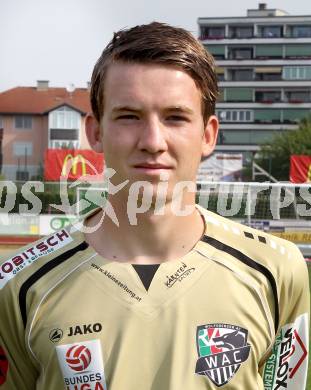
[(267, 101), (298, 101), (254, 39), (224, 62), (256, 83), (257, 125), (270, 121), (237, 36), (268, 77), (224, 105), (266, 120), (211, 37)]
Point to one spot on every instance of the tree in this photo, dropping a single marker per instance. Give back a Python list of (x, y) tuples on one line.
[(275, 155)]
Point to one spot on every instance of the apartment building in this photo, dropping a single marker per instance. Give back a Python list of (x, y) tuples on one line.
[(33, 119), (264, 71)]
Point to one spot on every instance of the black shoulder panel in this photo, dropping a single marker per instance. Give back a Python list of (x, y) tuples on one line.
[(43, 271), (251, 263)]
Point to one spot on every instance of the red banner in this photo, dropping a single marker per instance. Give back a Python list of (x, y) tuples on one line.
[(300, 169), (73, 164)]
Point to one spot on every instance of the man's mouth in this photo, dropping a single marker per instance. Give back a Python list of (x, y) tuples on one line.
[(152, 166)]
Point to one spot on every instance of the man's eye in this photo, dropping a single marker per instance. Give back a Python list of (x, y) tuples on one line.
[(128, 116), (177, 118)]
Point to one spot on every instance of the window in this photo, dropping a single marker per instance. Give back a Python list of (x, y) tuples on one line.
[(216, 32), (235, 115), (64, 128), (204, 32), (270, 31), (294, 116), (240, 74), (65, 118), (244, 137), (241, 53), (22, 175), (217, 51), (298, 96), (268, 73), (298, 51), (61, 134), (241, 32), (221, 95), (22, 149), (301, 31), (267, 116), (268, 96), (269, 51), (239, 94), (297, 73), (60, 144), (23, 122)]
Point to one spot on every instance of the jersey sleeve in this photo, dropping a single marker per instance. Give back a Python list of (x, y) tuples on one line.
[(17, 371), (287, 366), (20, 369)]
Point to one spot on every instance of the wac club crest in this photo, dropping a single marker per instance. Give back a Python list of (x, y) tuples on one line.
[(222, 348)]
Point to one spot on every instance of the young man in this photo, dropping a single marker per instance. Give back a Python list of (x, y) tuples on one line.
[(171, 298)]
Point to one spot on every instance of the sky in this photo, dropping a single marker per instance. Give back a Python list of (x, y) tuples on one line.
[(60, 40)]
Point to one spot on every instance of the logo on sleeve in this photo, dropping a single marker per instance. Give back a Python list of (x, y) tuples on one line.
[(50, 244), (287, 366), (4, 366), (82, 365), (222, 348)]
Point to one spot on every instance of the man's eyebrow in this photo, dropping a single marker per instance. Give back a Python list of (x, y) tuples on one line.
[(125, 108), (181, 109)]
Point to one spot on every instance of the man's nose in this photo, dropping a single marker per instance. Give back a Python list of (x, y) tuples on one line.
[(152, 138)]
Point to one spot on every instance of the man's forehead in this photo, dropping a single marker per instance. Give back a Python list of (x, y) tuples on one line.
[(130, 74), (132, 66), (126, 84)]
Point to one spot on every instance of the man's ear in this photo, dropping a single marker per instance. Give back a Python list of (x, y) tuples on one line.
[(210, 136), (93, 133)]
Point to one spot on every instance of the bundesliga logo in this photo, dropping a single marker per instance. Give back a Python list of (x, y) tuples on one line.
[(78, 357), (82, 365), (222, 348)]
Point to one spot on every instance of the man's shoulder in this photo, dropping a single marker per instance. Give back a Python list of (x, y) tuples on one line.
[(253, 246), (23, 263)]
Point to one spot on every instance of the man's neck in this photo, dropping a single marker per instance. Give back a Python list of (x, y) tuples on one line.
[(152, 239)]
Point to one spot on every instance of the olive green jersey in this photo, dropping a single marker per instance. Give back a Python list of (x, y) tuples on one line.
[(233, 313)]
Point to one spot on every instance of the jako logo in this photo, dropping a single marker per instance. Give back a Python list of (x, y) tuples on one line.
[(84, 329), (78, 357)]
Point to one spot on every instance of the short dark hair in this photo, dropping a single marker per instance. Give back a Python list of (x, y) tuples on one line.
[(158, 43)]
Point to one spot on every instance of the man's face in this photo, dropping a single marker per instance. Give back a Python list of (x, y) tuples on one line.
[(152, 124)]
